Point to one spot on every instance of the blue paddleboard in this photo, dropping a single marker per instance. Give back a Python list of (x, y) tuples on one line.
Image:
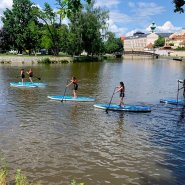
[(28, 84), (71, 98), (173, 101), (128, 108)]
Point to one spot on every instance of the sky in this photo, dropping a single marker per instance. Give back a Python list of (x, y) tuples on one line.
[(129, 16)]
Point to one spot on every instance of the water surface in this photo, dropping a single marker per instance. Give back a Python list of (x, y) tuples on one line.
[(54, 142)]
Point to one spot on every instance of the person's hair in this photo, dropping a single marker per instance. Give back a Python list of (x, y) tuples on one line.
[(74, 78), (122, 84)]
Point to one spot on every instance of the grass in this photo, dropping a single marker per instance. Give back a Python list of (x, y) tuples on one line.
[(20, 179), (75, 183), (3, 176)]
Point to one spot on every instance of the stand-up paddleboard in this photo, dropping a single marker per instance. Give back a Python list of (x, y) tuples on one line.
[(28, 84), (173, 101), (128, 108), (71, 98)]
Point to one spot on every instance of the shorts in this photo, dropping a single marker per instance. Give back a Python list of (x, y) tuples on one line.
[(75, 87), (30, 76), (22, 76), (122, 95)]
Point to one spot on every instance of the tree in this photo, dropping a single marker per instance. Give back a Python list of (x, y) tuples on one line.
[(179, 5), (5, 41), (159, 42), (113, 44), (68, 7), (94, 27), (19, 23)]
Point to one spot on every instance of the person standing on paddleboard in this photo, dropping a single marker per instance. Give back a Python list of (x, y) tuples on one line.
[(121, 90), (75, 86), (30, 73), (183, 87), (22, 75)]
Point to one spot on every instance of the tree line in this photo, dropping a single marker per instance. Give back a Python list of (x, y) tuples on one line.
[(26, 27)]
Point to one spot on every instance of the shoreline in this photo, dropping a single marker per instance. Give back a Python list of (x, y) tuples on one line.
[(14, 59)]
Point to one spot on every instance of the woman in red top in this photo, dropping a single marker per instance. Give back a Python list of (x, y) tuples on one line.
[(75, 86), (121, 89), (30, 73)]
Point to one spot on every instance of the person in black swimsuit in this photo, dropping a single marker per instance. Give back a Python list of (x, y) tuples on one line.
[(75, 86), (121, 90), (183, 87), (22, 75)]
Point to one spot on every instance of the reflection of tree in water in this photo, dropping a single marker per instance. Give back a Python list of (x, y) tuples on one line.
[(120, 122), (182, 115), (74, 112)]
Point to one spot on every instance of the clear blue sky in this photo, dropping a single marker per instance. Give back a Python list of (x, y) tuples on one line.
[(128, 16)]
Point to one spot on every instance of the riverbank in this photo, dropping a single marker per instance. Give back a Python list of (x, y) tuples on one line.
[(33, 59), (29, 60)]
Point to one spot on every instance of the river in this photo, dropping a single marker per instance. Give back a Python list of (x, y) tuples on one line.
[(54, 142)]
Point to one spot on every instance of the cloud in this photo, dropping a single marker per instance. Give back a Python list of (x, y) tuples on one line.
[(117, 22), (143, 9), (3, 5), (107, 4), (130, 33), (118, 30), (167, 27)]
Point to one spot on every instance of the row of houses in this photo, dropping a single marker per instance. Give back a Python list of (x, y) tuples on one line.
[(145, 42)]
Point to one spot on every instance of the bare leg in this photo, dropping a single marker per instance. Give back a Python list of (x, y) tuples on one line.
[(121, 101), (22, 80), (31, 79), (74, 93)]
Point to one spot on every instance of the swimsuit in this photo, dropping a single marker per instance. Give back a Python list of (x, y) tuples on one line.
[(75, 87), (31, 74), (23, 75), (122, 94)]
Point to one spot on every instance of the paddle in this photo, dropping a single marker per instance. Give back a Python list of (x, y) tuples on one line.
[(178, 92), (37, 77), (110, 101), (64, 91)]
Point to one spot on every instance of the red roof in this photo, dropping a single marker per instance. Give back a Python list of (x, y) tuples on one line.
[(122, 38)]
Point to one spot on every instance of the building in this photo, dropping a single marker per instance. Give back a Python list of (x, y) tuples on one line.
[(137, 42), (177, 39), (142, 42)]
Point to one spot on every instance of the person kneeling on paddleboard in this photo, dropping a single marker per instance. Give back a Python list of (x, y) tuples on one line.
[(183, 87), (22, 75), (30, 73), (121, 89), (75, 86)]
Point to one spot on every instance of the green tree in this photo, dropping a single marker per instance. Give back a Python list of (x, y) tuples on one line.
[(94, 27), (179, 5), (159, 42), (20, 23), (113, 44)]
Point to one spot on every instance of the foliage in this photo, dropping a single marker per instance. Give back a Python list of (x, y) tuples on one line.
[(75, 183), (3, 176), (20, 179), (20, 23), (68, 7), (28, 28), (179, 5), (180, 48), (159, 42), (113, 44)]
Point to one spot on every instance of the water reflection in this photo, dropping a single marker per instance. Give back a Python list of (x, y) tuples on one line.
[(55, 142)]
